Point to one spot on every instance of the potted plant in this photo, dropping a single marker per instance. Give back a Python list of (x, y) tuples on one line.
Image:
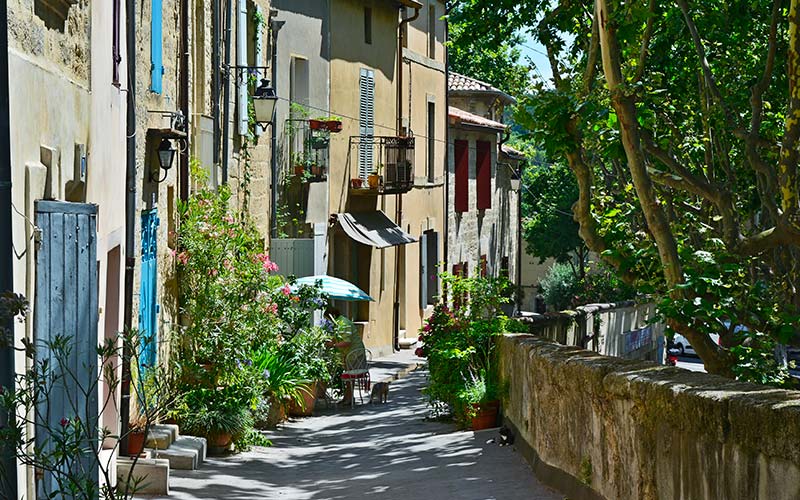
[(356, 183), (329, 123), (283, 382), (374, 178), (299, 162), (480, 401), (309, 355), (137, 428), (217, 414)]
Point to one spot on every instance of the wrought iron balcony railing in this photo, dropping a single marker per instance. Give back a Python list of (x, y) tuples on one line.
[(381, 164)]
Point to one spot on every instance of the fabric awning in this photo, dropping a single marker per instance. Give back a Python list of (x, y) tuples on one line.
[(374, 229)]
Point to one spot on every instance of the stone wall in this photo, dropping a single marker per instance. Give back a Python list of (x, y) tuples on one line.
[(602, 427)]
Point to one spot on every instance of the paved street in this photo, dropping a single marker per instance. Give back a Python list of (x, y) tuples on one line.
[(372, 451)]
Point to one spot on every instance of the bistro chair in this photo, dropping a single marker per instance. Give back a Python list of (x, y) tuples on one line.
[(356, 372)]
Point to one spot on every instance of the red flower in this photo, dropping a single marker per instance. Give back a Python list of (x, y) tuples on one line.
[(419, 353), (64, 422)]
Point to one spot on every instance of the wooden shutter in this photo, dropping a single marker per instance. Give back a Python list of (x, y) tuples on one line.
[(483, 266), (423, 270), (115, 47), (366, 121), (432, 254), (461, 157), (66, 307), (156, 56), (483, 163)]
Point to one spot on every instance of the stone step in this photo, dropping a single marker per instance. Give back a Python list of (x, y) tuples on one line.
[(407, 343), (150, 476), (186, 453), (161, 436)]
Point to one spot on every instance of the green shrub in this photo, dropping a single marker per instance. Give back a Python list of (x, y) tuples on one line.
[(559, 286)]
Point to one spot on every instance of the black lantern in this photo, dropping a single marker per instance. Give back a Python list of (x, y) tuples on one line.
[(166, 155), (264, 100)]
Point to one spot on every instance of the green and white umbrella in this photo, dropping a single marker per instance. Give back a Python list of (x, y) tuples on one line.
[(335, 288)]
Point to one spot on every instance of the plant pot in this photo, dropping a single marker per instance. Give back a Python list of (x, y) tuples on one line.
[(374, 181), (316, 124), (356, 183), (334, 126), (305, 407), (135, 443), (299, 169), (485, 415), (317, 170), (219, 442)]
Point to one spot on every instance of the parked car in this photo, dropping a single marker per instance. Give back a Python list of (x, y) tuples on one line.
[(682, 344)]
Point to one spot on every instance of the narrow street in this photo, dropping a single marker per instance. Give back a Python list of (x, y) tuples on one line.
[(372, 451)]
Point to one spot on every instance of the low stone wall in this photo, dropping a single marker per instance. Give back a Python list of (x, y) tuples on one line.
[(603, 427)]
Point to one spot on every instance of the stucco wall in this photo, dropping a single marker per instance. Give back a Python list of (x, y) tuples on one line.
[(601, 427)]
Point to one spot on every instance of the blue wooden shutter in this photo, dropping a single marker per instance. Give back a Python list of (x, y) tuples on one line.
[(65, 308), (156, 56), (366, 122), (148, 307)]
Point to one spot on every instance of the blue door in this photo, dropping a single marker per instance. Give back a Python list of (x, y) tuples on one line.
[(148, 307)]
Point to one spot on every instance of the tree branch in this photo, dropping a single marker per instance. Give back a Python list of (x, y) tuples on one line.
[(648, 33)]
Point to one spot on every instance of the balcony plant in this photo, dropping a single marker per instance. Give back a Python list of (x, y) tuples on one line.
[(329, 123), (356, 182), (374, 178)]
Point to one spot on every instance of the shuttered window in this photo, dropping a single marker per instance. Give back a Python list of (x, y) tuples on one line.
[(483, 164), (366, 121), (484, 271), (461, 157), (428, 261), (156, 56)]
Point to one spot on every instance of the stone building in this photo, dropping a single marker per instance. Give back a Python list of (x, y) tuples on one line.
[(483, 189), (67, 107)]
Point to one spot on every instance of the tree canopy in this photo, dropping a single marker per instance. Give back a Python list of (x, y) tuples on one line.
[(680, 123)]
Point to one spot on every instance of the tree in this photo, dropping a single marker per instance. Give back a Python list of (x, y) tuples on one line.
[(681, 113), (471, 52), (550, 231), (680, 124)]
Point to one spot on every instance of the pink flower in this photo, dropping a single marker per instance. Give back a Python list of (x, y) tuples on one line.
[(227, 264), (64, 422), (183, 257), (268, 265), (418, 352), (228, 219), (271, 308), (286, 290), (213, 272)]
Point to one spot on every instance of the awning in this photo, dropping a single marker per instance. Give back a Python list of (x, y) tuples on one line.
[(374, 229)]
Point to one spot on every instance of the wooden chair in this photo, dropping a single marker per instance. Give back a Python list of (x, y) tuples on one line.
[(356, 372)]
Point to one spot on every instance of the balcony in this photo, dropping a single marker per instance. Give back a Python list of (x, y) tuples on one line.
[(308, 151), (381, 165)]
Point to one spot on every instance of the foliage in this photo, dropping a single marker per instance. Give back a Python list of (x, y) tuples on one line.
[(459, 342), (678, 122), (216, 411), (549, 228), (282, 378), (559, 287), (49, 397)]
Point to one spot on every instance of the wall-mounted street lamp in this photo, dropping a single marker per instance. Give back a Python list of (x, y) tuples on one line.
[(264, 100), (166, 155)]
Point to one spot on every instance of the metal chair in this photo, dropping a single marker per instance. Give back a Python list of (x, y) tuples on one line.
[(356, 371)]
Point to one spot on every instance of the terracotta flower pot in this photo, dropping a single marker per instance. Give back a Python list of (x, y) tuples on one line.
[(334, 126), (135, 443), (356, 183), (299, 169), (316, 124), (485, 415), (219, 442), (306, 407), (374, 181)]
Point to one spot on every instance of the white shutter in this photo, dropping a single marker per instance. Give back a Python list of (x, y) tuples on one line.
[(366, 122)]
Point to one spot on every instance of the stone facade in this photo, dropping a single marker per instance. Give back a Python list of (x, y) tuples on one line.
[(601, 427)]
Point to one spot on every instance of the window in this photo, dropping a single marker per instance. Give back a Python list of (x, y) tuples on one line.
[(298, 81), (432, 31), (483, 164), (431, 141), (54, 13), (156, 57), (367, 25), (366, 121), (115, 49), (484, 270), (461, 189)]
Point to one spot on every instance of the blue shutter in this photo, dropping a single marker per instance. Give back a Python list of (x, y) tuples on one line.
[(66, 307), (156, 57), (366, 121), (148, 307)]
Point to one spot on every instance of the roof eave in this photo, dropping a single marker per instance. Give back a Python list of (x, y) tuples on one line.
[(414, 4)]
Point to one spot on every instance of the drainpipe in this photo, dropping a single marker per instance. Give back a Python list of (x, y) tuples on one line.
[(130, 218), (226, 93), (215, 82), (7, 461), (274, 26), (446, 213), (518, 274), (184, 104), (399, 197)]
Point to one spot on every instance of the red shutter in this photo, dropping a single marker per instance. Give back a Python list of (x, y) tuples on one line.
[(483, 163), (462, 176), (483, 266)]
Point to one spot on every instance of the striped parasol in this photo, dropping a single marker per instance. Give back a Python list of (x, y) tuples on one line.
[(335, 288)]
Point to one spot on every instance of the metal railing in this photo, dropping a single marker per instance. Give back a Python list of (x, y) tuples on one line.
[(389, 158)]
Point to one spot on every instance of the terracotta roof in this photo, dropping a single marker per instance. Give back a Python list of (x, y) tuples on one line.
[(460, 84), (459, 117), (512, 153)]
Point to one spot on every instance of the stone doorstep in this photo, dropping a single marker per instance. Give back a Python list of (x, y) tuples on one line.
[(161, 436), (186, 453), (407, 343), (152, 475)]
